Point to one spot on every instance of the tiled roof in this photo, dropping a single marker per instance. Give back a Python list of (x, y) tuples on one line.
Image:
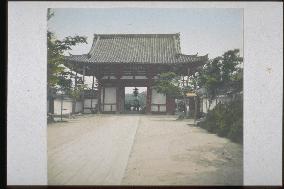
[(136, 48)]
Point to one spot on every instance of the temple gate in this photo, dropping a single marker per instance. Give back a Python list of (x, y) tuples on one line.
[(126, 60)]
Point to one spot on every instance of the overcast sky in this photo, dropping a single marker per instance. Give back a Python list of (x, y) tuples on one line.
[(202, 31)]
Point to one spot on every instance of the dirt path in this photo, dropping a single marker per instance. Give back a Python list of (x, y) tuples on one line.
[(90, 150), (169, 152), (139, 150)]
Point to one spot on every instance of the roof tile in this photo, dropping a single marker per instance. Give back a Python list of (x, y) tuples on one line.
[(136, 48)]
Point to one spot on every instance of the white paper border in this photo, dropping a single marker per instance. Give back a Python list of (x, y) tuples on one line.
[(263, 65)]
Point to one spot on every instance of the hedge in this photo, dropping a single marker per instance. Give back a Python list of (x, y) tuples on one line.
[(226, 120)]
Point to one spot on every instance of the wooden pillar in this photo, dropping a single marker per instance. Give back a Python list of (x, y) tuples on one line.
[(170, 105), (118, 96), (118, 75), (99, 95), (151, 72), (122, 103), (103, 99), (92, 96), (99, 76), (74, 98), (83, 94), (149, 96)]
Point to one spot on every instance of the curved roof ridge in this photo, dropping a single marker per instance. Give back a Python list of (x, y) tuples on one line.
[(137, 48), (137, 35)]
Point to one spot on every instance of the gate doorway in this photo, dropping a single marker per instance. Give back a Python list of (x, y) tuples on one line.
[(135, 100)]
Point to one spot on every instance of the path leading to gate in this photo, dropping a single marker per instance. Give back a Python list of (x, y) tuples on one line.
[(139, 150), (90, 150)]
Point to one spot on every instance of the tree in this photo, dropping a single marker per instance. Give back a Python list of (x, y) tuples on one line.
[(222, 75), (209, 78), (168, 83), (58, 77)]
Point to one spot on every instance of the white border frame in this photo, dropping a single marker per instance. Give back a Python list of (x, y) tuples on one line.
[(263, 65)]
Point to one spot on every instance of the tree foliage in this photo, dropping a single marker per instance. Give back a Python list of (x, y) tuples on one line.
[(222, 75), (130, 100), (58, 77), (168, 83)]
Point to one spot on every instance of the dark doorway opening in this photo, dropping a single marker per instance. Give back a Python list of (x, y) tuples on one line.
[(135, 100)]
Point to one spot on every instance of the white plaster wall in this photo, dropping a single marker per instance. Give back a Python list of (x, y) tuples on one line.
[(67, 106), (110, 98), (205, 102), (110, 95), (109, 108), (78, 107), (109, 77), (158, 98), (154, 108), (140, 77), (163, 108), (88, 103), (127, 77)]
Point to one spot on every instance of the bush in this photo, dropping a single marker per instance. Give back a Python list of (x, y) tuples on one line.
[(226, 120)]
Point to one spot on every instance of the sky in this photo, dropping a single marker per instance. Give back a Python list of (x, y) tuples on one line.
[(203, 31)]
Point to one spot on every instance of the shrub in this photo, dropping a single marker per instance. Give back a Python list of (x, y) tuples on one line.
[(226, 120), (236, 131)]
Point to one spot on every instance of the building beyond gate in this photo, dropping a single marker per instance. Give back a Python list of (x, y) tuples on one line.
[(133, 60)]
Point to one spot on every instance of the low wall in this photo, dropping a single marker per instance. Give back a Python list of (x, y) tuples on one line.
[(67, 106)]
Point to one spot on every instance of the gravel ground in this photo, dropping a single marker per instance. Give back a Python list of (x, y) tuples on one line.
[(139, 150), (170, 152)]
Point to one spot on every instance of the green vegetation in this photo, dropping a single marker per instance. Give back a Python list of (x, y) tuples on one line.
[(130, 100), (226, 120), (168, 83), (58, 77), (224, 76), (220, 76)]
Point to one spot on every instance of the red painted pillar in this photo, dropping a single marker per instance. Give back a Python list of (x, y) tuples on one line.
[(170, 105), (99, 96), (151, 72), (118, 75), (118, 96), (149, 95), (149, 100)]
